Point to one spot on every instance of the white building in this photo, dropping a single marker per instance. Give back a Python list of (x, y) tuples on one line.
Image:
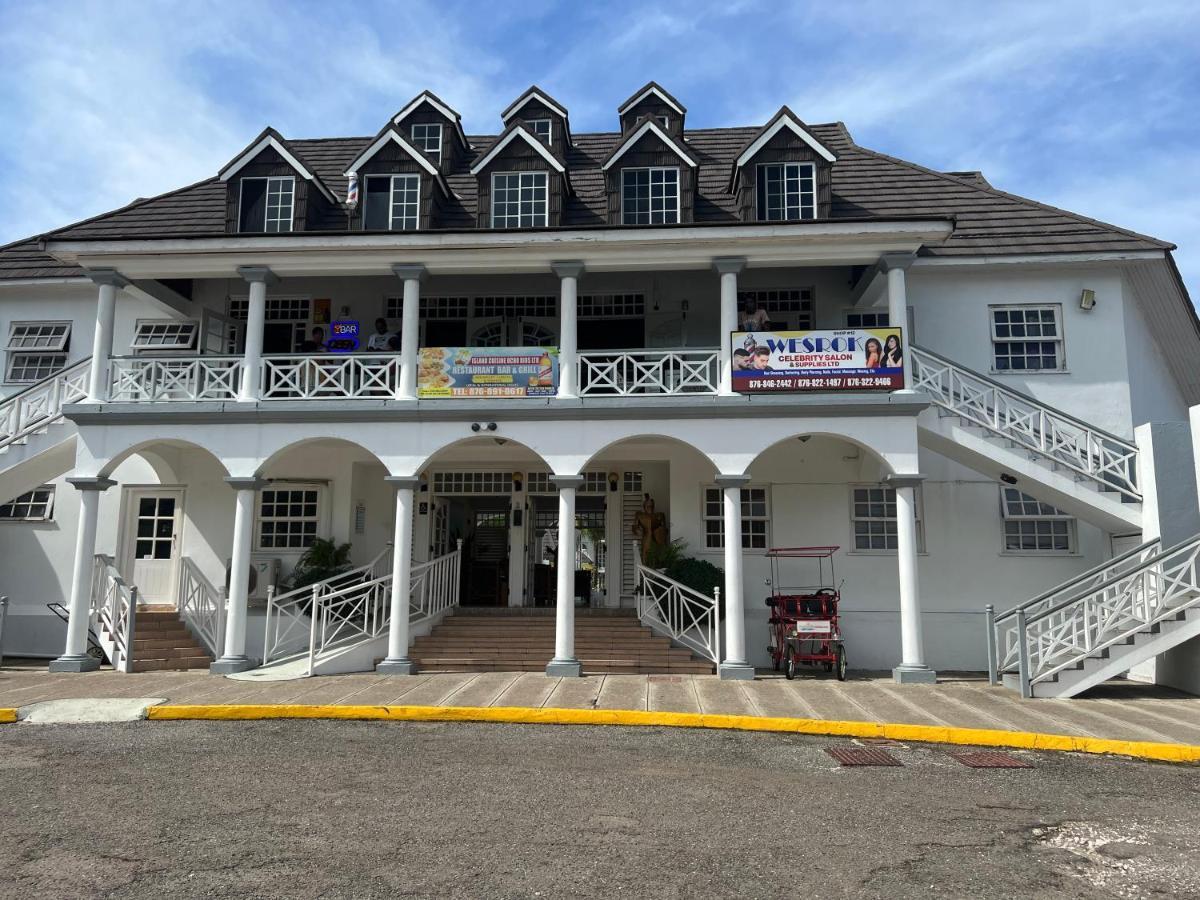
[(167, 408)]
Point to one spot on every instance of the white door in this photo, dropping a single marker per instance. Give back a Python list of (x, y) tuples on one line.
[(439, 530), (154, 519)]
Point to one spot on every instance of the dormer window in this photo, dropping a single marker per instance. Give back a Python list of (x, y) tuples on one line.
[(787, 192), (664, 121), (265, 204), (427, 136), (542, 129), (391, 202), (520, 199), (649, 196)]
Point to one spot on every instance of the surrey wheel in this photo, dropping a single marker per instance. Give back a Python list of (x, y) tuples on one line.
[(841, 663), (790, 668)]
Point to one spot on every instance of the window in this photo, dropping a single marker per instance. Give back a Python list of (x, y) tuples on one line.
[(866, 320), (754, 518), (472, 483), (541, 128), (1031, 526), (789, 308), (266, 204), (35, 506), (164, 334), (649, 196), (540, 483), (288, 517), (611, 306), (787, 192), (873, 518), (519, 199), (1027, 338), (391, 202), (427, 136), (543, 305), (281, 308), (663, 121), (36, 350)]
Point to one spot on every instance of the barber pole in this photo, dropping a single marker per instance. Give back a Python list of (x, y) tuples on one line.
[(352, 192)]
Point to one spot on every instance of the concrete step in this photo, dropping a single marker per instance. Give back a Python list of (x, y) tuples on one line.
[(172, 665)]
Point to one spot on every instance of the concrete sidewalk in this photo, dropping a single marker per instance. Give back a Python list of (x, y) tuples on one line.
[(1119, 710)]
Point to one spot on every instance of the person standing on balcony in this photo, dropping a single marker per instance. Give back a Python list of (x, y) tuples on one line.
[(754, 318), (316, 343), (381, 340)]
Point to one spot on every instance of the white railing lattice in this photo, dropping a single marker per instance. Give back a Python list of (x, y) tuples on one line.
[(679, 612), (112, 613), (330, 376), (435, 586), (1106, 460), (41, 404), (620, 373), (202, 607), (142, 378)]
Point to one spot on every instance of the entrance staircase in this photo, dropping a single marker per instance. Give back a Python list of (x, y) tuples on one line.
[(522, 640), (37, 444), (163, 643)]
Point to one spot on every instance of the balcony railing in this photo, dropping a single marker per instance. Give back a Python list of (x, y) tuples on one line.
[(366, 376)]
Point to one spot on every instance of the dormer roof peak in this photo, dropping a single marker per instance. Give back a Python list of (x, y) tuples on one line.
[(651, 88), (533, 92)]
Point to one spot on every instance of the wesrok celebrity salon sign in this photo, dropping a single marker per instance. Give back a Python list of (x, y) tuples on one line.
[(487, 372), (856, 359)]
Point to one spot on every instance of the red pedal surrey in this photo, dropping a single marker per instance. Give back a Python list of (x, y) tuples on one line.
[(804, 620)]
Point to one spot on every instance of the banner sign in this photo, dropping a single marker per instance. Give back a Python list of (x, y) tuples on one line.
[(343, 336), (854, 359), (487, 372)]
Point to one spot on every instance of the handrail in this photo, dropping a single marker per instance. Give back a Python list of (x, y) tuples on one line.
[(330, 376), (174, 377), (1104, 458), (435, 586), (650, 371), (112, 611), (678, 611), (202, 606), (1088, 624), (41, 403)]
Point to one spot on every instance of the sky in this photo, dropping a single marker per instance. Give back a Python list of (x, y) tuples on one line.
[(1091, 106)]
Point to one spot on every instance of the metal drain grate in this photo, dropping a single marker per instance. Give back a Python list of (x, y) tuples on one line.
[(862, 756), (988, 759)]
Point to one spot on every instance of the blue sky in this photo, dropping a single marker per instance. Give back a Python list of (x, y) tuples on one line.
[(1091, 106)]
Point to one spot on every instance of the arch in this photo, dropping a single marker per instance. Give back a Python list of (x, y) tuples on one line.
[(485, 442), (282, 452), (887, 464), (152, 451), (650, 436)]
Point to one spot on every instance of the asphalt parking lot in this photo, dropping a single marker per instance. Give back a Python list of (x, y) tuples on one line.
[(364, 810)]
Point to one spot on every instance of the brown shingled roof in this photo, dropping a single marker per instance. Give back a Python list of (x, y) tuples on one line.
[(866, 184)]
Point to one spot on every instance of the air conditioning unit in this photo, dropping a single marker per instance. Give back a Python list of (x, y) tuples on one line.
[(264, 572)]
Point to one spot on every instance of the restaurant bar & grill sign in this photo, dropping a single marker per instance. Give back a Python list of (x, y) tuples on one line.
[(450, 372)]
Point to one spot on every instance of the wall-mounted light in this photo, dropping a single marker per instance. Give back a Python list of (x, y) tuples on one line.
[(804, 438), (518, 482), (613, 480), (1087, 299), (1008, 479)]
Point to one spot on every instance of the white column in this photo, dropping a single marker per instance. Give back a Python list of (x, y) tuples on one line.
[(568, 327), (398, 662), (895, 265), (258, 278), (75, 657), (912, 668), (728, 267), (410, 328), (564, 662), (734, 666), (234, 658), (102, 340)]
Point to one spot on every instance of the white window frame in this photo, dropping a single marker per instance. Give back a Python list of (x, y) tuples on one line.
[(422, 143), (855, 518), (410, 179), (28, 502), (535, 126), (47, 341), (857, 318), (260, 519), (759, 185), (146, 328), (521, 188), (650, 170), (267, 218), (1044, 517), (706, 517), (1059, 339)]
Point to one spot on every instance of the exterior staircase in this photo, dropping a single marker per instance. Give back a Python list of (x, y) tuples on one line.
[(980, 423), (37, 444), (1099, 624), (522, 640), (164, 643)]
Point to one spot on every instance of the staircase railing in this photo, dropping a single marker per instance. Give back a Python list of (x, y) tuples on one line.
[(435, 586), (289, 615), (40, 404), (362, 612), (113, 612), (1158, 588), (1002, 643), (202, 607), (1103, 458), (679, 612)]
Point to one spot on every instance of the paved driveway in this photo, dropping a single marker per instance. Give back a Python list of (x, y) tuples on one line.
[(367, 810)]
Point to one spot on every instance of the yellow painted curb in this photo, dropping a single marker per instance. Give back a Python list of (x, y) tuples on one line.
[(980, 737), (7, 715)]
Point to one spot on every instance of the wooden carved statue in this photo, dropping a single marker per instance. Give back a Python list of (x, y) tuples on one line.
[(649, 527)]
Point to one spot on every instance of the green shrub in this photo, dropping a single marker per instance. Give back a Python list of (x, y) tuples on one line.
[(322, 560)]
